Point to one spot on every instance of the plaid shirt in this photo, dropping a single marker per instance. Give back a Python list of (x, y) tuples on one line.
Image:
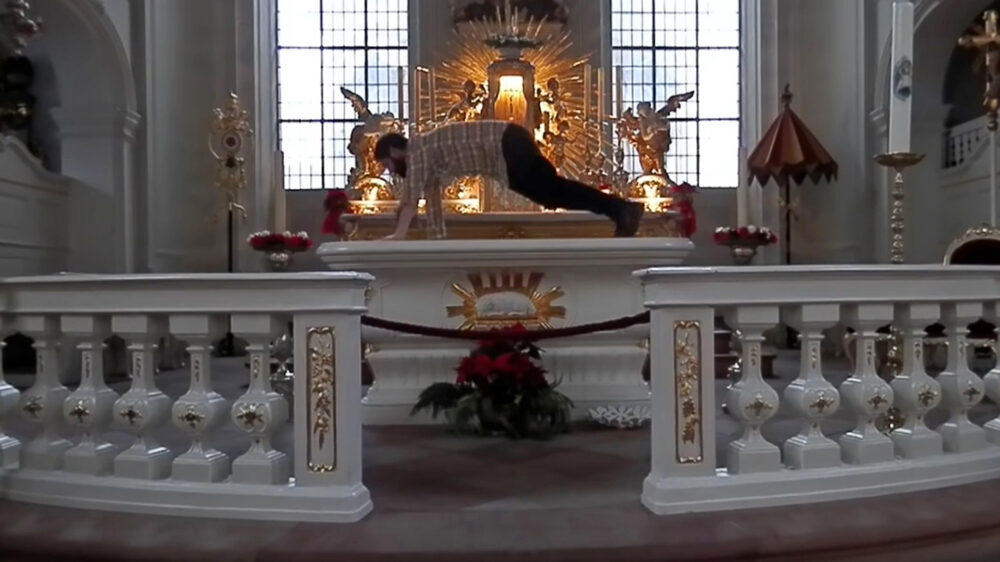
[(452, 151)]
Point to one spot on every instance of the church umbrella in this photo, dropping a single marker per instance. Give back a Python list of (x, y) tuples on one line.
[(788, 153)]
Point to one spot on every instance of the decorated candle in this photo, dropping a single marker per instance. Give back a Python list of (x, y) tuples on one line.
[(900, 104)]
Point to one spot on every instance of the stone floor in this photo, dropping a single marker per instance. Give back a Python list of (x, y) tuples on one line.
[(443, 497)]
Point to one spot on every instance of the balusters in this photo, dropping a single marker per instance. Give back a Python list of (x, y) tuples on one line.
[(751, 400), (201, 409), (866, 395), (992, 379), (10, 448), (89, 406), (42, 403), (143, 407), (916, 393), (960, 387), (811, 395), (260, 411)]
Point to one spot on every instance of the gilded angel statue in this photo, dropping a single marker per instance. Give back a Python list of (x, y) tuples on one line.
[(649, 132), (364, 136)]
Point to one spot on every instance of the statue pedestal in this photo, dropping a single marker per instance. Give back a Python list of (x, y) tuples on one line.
[(482, 283)]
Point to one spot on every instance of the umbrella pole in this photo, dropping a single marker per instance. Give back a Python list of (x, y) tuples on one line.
[(788, 223)]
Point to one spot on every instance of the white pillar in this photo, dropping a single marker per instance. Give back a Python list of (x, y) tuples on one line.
[(751, 400), (43, 402), (10, 448), (89, 406), (328, 410), (811, 395), (260, 411), (865, 393), (961, 388), (915, 391), (682, 379), (200, 410), (144, 407), (991, 313)]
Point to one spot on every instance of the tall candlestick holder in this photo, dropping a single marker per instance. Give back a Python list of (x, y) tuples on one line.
[(899, 162)]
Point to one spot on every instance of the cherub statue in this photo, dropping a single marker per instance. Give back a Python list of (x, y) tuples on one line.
[(470, 106), (555, 139), (649, 132)]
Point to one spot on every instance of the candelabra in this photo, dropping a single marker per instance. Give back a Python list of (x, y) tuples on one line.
[(898, 161)]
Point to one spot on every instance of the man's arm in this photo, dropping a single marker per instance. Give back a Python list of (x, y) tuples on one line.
[(413, 185)]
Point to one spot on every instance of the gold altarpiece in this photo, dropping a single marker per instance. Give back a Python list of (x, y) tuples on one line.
[(518, 70)]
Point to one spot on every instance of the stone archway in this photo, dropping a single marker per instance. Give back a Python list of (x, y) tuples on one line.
[(87, 113)]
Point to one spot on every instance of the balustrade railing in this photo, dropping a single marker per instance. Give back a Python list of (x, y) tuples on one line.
[(961, 142), (816, 464), (318, 480)]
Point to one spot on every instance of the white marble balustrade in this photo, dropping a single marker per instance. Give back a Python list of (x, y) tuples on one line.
[(814, 465), (319, 481)]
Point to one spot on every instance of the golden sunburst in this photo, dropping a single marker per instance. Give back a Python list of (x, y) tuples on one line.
[(538, 313), (472, 56)]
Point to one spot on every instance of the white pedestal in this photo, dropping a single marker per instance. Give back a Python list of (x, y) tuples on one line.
[(475, 284)]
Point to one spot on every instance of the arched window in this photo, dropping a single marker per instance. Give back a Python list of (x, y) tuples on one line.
[(323, 45), (668, 47)]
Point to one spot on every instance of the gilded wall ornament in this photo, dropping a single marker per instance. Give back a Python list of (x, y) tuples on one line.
[(321, 454), (688, 392)]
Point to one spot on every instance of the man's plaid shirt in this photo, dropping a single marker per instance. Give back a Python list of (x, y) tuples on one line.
[(437, 157)]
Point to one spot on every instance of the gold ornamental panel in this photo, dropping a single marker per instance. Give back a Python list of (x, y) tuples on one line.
[(503, 298), (321, 449), (689, 438)]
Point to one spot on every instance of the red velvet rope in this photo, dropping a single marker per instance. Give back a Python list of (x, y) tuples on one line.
[(530, 335)]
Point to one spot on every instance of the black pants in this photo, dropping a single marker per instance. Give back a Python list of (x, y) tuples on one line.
[(534, 177)]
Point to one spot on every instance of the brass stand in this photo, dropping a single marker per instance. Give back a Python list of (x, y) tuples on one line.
[(898, 161)]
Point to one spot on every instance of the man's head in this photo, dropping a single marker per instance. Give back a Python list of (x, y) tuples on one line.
[(390, 150)]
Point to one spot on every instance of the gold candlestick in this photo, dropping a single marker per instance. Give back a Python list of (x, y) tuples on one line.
[(898, 161)]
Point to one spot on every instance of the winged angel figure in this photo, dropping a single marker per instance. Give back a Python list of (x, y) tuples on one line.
[(364, 136), (649, 132)]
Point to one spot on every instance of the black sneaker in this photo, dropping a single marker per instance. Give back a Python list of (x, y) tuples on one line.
[(628, 221)]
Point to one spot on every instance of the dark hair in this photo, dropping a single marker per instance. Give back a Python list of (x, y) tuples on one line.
[(389, 141)]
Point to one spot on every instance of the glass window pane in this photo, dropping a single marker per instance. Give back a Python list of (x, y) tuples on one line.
[(720, 145), (298, 74), (669, 47), (298, 24), (357, 44)]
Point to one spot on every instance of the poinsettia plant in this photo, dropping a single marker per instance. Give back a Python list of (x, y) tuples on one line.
[(500, 388), (749, 234), (267, 241)]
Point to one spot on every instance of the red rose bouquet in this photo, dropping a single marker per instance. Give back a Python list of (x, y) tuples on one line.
[(683, 204), (500, 389), (267, 241)]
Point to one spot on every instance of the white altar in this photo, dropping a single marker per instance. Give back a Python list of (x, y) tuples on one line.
[(477, 284)]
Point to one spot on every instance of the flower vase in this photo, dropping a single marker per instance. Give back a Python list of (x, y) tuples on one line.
[(743, 254), (278, 260)]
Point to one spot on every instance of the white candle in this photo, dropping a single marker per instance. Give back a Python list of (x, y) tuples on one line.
[(400, 78), (433, 94), (586, 93), (619, 91), (279, 220), (417, 108), (900, 104), (742, 190), (600, 97)]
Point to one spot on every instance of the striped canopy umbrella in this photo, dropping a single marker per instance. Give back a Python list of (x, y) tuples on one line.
[(788, 153)]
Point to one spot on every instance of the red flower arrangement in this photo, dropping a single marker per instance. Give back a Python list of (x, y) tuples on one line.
[(500, 388), (337, 204), (744, 235), (682, 196), (267, 241)]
